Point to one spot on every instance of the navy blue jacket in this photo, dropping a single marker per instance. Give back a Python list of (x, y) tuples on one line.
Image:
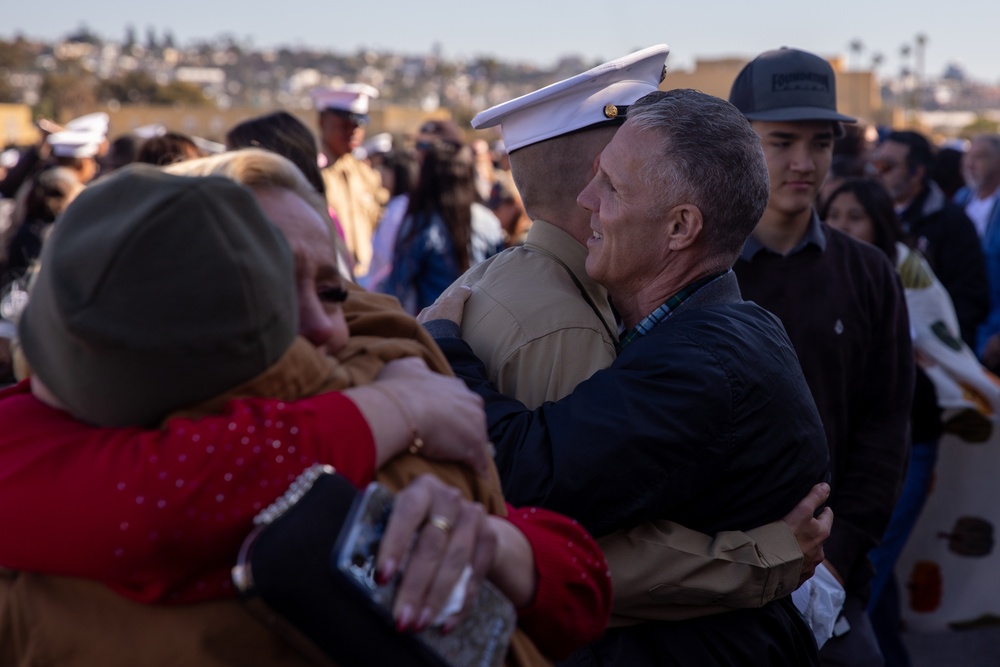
[(707, 420)]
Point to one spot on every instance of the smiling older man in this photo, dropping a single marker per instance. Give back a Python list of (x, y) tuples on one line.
[(704, 416)]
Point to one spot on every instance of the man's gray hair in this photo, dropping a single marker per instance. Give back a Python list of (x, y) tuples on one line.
[(712, 158)]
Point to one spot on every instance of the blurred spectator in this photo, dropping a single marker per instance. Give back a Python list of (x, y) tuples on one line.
[(353, 189), (375, 151), (486, 178), (282, 133), (858, 140), (946, 170), (399, 170), (123, 150), (168, 148), (505, 202), (48, 194), (843, 166), (949, 381), (8, 160), (980, 200), (438, 129), (445, 230), (938, 229), (500, 158)]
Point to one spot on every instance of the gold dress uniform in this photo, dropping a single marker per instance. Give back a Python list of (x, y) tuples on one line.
[(354, 191)]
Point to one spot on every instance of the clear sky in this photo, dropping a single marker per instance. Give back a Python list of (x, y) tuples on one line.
[(540, 31)]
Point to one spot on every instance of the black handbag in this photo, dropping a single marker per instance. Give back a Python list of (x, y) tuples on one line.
[(287, 573)]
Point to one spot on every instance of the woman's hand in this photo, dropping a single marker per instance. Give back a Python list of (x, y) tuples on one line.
[(409, 400), (448, 534)]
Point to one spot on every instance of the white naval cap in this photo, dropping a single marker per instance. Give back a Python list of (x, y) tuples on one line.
[(207, 146), (351, 98), (9, 158), (93, 122), (150, 131), (75, 143), (380, 143), (599, 95)]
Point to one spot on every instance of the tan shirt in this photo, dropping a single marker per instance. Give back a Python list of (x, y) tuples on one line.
[(541, 326), (354, 191), (526, 312)]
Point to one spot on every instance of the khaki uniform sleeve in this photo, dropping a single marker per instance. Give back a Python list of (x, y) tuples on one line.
[(519, 374), (661, 570)]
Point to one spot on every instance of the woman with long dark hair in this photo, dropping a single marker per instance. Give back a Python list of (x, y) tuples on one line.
[(947, 375), (446, 230)]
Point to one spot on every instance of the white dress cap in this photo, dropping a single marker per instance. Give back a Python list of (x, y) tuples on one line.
[(150, 131), (75, 143), (207, 146), (92, 122), (9, 158), (596, 96), (352, 98), (380, 143)]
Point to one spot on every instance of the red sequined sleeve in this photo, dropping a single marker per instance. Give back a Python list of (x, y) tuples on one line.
[(572, 605), (159, 515)]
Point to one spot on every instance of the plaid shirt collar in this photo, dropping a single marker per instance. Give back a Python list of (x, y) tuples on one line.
[(665, 310)]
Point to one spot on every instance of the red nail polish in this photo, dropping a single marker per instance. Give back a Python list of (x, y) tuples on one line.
[(385, 572), (449, 625), (405, 618), (423, 620)]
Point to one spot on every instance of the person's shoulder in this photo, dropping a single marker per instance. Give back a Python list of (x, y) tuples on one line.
[(531, 289), (955, 216), (839, 244), (515, 269), (736, 322), (18, 403), (861, 268)]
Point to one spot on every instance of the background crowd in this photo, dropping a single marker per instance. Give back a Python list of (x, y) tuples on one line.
[(898, 338)]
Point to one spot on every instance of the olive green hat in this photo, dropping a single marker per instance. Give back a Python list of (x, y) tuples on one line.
[(156, 292)]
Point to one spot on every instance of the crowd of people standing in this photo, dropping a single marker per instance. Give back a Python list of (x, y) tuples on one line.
[(706, 352)]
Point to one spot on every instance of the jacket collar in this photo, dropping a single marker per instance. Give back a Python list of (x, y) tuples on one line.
[(724, 290)]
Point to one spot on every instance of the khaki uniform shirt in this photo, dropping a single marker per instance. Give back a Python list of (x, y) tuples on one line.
[(541, 326), (354, 191), (528, 323)]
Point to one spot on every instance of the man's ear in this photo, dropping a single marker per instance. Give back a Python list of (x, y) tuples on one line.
[(684, 225)]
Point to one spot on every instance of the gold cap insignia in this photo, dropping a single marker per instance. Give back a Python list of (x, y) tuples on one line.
[(610, 111)]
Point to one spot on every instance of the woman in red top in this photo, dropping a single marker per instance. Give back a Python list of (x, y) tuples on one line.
[(158, 515)]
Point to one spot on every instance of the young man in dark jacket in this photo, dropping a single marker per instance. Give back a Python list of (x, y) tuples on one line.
[(842, 304)]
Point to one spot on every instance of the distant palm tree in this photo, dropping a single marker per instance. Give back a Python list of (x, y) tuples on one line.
[(857, 46)]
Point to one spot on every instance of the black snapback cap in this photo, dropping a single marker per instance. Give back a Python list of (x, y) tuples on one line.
[(787, 85)]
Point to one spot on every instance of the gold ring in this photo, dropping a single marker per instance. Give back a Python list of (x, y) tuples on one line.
[(439, 521)]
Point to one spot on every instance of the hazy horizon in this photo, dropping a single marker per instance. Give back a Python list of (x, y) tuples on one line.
[(542, 33)]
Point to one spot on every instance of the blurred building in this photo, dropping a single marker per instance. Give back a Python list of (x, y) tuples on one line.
[(16, 127)]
